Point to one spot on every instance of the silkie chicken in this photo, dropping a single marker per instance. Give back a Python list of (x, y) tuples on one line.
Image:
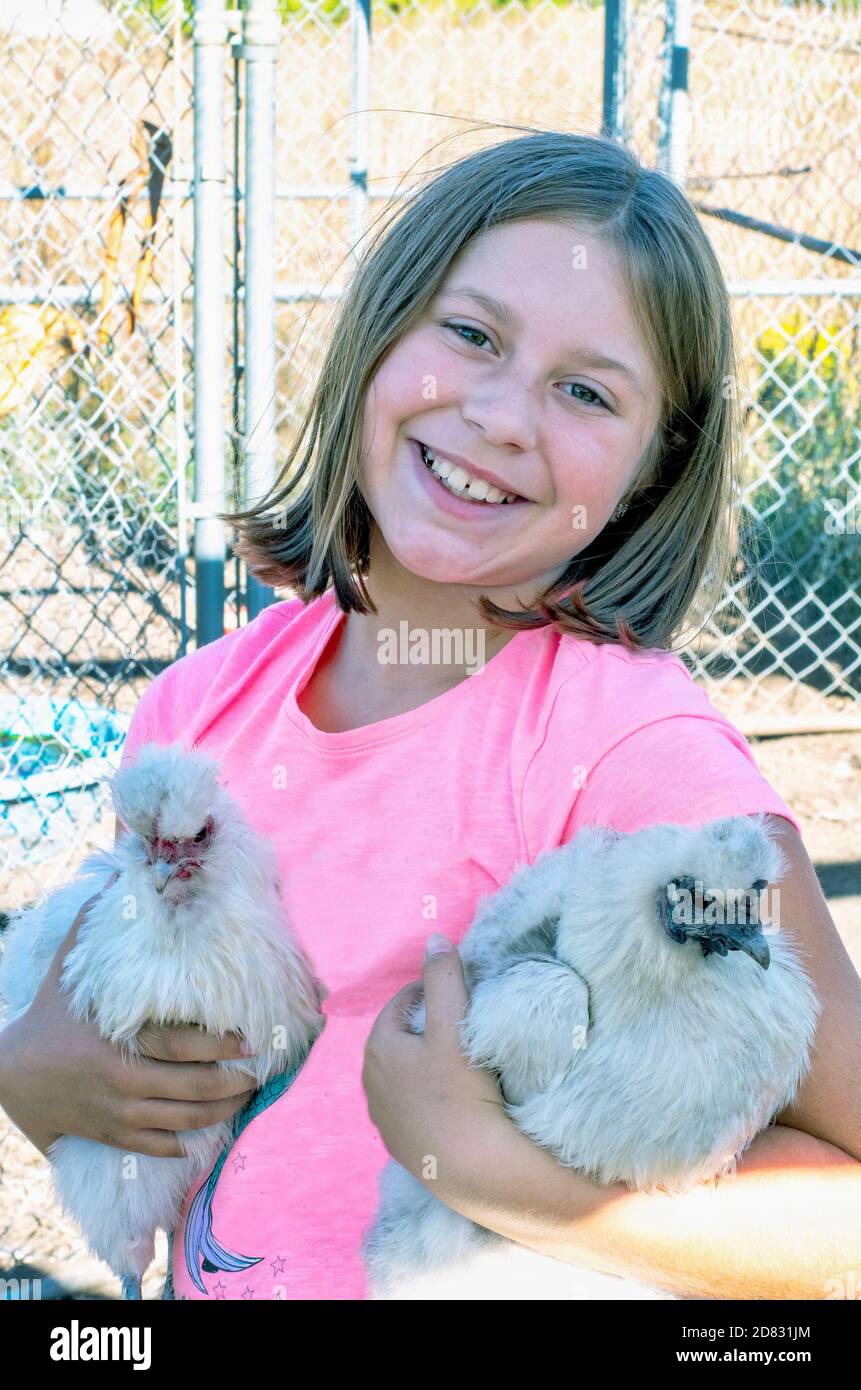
[(192, 931), (642, 1027)]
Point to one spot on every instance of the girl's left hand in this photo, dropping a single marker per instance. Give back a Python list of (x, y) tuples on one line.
[(425, 1099)]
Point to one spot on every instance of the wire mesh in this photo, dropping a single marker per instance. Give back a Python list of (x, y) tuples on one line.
[(774, 117), (772, 168), (94, 231), (96, 554), (97, 569)]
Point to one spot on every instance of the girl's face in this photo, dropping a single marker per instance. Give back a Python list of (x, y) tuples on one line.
[(516, 390)]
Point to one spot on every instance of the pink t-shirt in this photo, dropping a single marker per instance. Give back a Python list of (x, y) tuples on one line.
[(380, 827)]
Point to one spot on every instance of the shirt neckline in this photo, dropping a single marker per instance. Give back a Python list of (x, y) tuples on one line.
[(384, 730)]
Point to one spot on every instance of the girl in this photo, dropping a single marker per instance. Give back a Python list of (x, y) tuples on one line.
[(513, 487)]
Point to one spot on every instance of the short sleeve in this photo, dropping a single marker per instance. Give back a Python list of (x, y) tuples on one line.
[(178, 704), (151, 721), (683, 770)]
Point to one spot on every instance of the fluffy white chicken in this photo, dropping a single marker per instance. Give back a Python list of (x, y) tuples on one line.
[(643, 1028), (192, 931)]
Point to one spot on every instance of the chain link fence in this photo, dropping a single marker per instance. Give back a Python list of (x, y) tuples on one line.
[(770, 161), (95, 245), (96, 231), (97, 570)]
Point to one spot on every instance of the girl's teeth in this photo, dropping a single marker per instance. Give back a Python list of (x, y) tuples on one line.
[(481, 490), (460, 482)]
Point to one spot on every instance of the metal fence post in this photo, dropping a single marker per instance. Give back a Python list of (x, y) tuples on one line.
[(674, 108), (261, 31), (615, 57), (360, 88), (211, 33)]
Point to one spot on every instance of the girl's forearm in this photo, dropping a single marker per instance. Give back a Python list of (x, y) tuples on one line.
[(786, 1225)]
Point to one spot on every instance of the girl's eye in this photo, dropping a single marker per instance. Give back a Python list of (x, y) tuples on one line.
[(465, 328), (581, 385), (462, 328)]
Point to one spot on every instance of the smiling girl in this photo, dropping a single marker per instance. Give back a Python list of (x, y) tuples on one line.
[(521, 444)]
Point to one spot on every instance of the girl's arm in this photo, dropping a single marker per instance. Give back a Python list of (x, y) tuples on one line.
[(828, 1105), (786, 1225)]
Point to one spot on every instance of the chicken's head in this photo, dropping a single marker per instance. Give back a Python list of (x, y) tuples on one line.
[(720, 921), (670, 899), (178, 859), (719, 905), (172, 802)]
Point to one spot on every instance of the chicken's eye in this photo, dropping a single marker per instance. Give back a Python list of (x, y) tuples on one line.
[(201, 835)]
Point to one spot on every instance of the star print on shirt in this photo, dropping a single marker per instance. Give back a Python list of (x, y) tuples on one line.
[(277, 1266), (220, 1289), (239, 1162), (247, 1292)]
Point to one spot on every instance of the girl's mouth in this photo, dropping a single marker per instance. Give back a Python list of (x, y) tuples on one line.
[(453, 492)]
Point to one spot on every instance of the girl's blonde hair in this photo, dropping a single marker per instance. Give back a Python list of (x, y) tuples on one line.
[(638, 580)]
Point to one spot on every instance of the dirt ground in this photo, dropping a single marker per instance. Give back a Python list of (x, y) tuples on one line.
[(818, 775)]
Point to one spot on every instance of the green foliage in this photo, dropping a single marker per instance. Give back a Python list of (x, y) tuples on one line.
[(803, 474), (336, 12), (162, 11)]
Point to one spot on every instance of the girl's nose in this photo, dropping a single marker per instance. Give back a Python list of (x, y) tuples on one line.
[(504, 411)]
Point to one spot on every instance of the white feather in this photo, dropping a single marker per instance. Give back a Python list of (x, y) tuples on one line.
[(214, 951), (631, 1057)]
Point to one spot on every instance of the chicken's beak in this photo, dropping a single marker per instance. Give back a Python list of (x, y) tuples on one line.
[(753, 943), (162, 871)]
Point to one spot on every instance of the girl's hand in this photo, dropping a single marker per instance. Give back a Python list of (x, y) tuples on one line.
[(432, 1109), (59, 1076)]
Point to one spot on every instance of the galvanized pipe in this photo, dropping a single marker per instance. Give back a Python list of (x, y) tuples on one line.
[(259, 49), (674, 109), (615, 69), (360, 92), (211, 34)]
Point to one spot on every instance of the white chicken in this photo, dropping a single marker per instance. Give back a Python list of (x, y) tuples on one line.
[(192, 931), (643, 1030)]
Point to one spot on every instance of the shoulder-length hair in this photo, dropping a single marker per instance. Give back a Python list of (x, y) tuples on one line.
[(638, 580)]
